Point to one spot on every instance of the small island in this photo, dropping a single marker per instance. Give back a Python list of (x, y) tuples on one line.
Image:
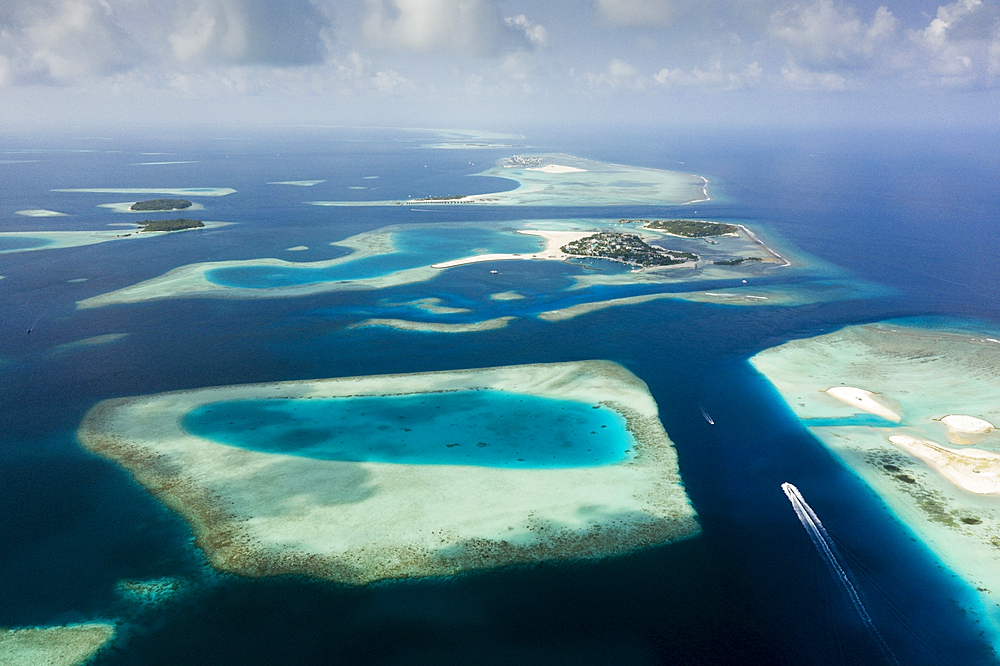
[(169, 225), (627, 249), (160, 204), (736, 261), (687, 228)]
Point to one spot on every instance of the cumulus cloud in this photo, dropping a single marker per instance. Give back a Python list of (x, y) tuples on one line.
[(249, 32), (713, 77), (535, 33), (58, 41), (805, 79), (823, 34), (463, 27), (635, 12), (618, 74), (68, 41)]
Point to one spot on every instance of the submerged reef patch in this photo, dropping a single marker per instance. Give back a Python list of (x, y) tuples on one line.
[(263, 513)]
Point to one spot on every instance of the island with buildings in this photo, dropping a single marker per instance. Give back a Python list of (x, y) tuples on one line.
[(627, 249)]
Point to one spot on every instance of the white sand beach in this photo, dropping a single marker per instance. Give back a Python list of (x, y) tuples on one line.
[(262, 514), (556, 168), (553, 241), (971, 469), (865, 401)]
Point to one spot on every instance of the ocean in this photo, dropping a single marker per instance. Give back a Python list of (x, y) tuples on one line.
[(903, 223)]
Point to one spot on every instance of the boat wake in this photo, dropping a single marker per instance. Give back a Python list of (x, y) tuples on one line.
[(828, 551)]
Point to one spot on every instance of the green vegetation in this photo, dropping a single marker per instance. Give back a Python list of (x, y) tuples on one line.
[(169, 225), (627, 249), (736, 261), (160, 204), (688, 228), (448, 198)]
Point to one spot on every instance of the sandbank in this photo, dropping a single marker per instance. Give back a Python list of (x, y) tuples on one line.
[(506, 296), (297, 248), (542, 181), (931, 489), (88, 342), (974, 470), (556, 168), (53, 240), (164, 191), (40, 212), (54, 646), (298, 183), (865, 401), (965, 429), (433, 305), (262, 514), (437, 327), (553, 241)]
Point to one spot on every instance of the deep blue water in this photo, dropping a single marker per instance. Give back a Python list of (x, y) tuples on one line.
[(483, 428), (912, 213)]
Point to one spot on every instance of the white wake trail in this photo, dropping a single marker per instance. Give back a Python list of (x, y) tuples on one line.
[(824, 544)]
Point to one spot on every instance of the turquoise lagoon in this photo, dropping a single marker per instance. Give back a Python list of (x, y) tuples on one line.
[(485, 428), (414, 248), (16, 243)]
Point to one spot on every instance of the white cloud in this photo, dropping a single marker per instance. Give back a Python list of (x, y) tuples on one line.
[(60, 41), (535, 33), (635, 12), (959, 46), (250, 32), (804, 79), (713, 77), (617, 74), (391, 82), (464, 27), (823, 34)]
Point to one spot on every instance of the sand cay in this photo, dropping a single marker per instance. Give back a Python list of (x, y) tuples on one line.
[(864, 400), (53, 646), (972, 469), (948, 387), (262, 514)]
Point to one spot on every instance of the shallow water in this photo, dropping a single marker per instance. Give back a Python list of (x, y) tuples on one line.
[(483, 428)]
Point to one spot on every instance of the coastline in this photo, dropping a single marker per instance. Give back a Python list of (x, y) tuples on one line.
[(950, 498)]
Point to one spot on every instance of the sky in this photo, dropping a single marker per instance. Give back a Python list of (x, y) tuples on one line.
[(499, 63)]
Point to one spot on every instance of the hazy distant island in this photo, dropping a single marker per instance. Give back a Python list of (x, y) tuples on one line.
[(160, 204), (170, 225), (687, 228), (627, 249)]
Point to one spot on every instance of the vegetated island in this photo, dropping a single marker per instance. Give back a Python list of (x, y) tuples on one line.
[(627, 249), (169, 225), (161, 204), (688, 228)]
